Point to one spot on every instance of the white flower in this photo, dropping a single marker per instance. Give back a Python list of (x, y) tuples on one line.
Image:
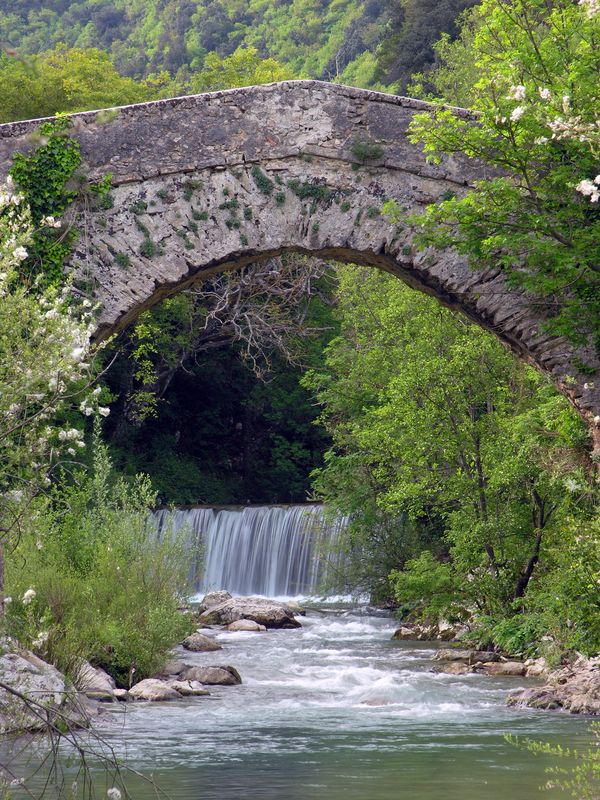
[(20, 253), (593, 7), (541, 140), (62, 435), (589, 189), (572, 485), (517, 113), (28, 596), (114, 794), (104, 412), (70, 451), (517, 93), (80, 444), (42, 638), (544, 93), (97, 391), (39, 545), (8, 599), (77, 354)]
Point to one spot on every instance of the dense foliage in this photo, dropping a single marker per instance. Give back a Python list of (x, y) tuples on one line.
[(440, 437), (535, 96), (106, 587), (150, 37)]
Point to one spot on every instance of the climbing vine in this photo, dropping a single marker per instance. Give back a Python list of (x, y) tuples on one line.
[(44, 178)]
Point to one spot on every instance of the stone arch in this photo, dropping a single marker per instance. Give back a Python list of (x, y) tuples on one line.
[(211, 182)]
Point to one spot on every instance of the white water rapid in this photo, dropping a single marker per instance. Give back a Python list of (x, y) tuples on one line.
[(335, 710)]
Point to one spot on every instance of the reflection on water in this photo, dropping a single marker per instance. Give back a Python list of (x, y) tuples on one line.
[(337, 711)]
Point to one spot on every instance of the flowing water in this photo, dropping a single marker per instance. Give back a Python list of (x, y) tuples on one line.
[(337, 711), (264, 550), (333, 710)]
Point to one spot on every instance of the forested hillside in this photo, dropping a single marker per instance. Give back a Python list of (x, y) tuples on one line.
[(372, 44), (316, 39)]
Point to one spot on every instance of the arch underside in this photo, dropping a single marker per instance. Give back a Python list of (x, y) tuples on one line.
[(210, 183)]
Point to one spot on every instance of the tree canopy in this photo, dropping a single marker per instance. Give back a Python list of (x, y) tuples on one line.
[(536, 125)]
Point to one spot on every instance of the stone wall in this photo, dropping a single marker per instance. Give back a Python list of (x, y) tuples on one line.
[(211, 182)]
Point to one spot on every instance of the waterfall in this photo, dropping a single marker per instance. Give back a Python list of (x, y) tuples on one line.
[(266, 550)]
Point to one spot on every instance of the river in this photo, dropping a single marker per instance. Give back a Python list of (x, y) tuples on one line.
[(335, 710)]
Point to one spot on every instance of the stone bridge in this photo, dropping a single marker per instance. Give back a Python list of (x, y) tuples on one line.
[(212, 182)]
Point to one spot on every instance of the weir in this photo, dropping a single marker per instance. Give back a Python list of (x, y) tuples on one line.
[(275, 551)]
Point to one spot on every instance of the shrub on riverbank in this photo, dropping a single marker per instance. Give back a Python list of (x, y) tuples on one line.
[(108, 588)]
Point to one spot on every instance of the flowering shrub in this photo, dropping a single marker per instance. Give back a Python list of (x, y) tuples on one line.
[(44, 349), (97, 581), (536, 122)]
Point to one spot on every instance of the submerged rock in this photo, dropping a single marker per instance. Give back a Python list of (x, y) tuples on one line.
[(198, 643), (270, 613)]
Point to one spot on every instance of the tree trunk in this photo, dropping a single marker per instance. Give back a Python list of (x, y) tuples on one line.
[(528, 571)]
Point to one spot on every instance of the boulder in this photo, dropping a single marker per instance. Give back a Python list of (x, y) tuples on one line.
[(405, 634), (188, 688), (505, 668), (245, 625), (213, 599), (153, 690), (270, 613), (123, 695), (453, 655), (25, 672), (575, 688), (296, 607), (537, 697), (536, 667), (172, 668), (198, 643), (212, 676), (485, 656), (95, 683), (443, 631), (452, 668)]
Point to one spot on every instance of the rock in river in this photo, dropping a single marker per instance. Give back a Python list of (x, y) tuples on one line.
[(270, 613), (199, 643), (212, 676), (154, 690)]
